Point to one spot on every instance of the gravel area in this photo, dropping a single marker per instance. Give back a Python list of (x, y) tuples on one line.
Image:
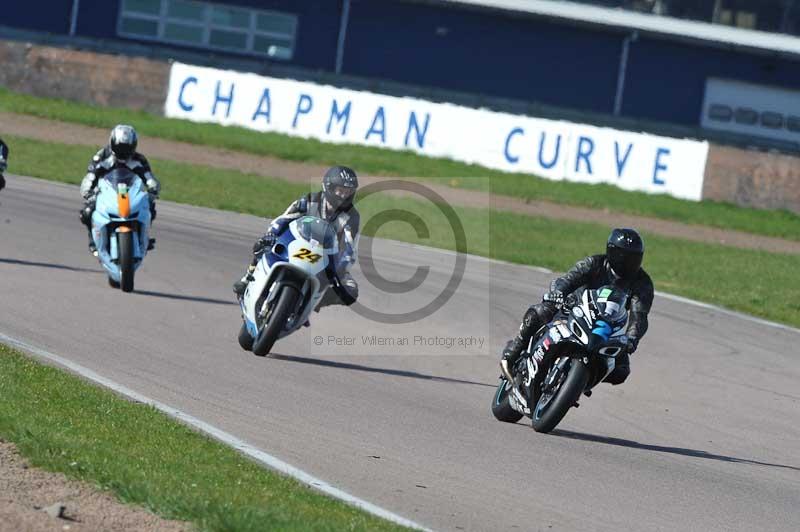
[(35, 500)]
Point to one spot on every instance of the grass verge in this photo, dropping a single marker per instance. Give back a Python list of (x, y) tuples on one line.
[(63, 424), (781, 224), (746, 280)]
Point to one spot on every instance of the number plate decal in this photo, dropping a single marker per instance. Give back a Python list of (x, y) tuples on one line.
[(305, 254)]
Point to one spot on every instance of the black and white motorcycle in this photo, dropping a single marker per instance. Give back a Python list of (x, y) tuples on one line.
[(567, 357)]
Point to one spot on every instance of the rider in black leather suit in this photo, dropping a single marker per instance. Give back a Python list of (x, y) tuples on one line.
[(621, 267), (3, 163)]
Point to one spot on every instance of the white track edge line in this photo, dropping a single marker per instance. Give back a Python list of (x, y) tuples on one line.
[(218, 434), (727, 312)]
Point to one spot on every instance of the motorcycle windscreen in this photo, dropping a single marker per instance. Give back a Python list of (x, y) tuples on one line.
[(318, 230), (611, 304), (121, 176)]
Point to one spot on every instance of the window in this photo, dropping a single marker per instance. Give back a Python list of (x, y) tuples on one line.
[(212, 26), (772, 120), (746, 116), (720, 113)]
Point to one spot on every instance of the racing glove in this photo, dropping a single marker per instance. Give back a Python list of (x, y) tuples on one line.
[(263, 243), (555, 297), (153, 187)]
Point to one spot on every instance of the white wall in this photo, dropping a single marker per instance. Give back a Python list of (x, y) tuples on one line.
[(552, 149)]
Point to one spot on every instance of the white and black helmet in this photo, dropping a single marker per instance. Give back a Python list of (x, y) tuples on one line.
[(123, 141), (339, 186)]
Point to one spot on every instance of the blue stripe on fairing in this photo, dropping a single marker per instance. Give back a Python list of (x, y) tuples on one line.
[(602, 329)]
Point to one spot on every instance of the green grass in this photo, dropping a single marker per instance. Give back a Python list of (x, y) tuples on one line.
[(63, 424), (781, 224), (754, 282), (746, 280)]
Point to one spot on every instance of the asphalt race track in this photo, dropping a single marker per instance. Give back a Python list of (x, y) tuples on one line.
[(704, 436)]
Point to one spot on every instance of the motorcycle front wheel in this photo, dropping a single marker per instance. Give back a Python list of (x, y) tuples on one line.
[(125, 246), (245, 340), (554, 402), (284, 304)]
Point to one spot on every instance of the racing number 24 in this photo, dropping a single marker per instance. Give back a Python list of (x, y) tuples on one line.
[(305, 254)]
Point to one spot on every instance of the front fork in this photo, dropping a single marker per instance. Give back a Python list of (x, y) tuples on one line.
[(535, 382)]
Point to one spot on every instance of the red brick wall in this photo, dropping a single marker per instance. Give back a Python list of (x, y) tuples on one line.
[(753, 178)]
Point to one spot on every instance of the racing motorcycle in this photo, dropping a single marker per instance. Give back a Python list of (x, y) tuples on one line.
[(289, 281), (567, 357), (121, 226)]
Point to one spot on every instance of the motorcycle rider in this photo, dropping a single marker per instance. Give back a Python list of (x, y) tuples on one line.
[(120, 152), (334, 203), (619, 266), (3, 163)]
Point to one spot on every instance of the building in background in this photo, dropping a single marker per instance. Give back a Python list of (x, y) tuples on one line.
[(719, 68), (777, 16)]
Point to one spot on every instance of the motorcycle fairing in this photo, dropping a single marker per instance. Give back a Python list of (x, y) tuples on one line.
[(119, 207), (293, 259)]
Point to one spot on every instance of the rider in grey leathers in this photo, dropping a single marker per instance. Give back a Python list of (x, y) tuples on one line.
[(120, 152), (335, 205)]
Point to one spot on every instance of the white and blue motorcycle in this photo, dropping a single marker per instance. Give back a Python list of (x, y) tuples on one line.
[(289, 281), (121, 226)]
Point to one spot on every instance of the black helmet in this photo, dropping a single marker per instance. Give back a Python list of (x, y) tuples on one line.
[(339, 186), (625, 250), (123, 141)]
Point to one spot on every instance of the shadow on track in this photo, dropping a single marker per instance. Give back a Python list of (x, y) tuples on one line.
[(369, 369), (49, 265), (694, 453), (179, 297)]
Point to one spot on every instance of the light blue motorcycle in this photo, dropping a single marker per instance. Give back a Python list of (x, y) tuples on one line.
[(121, 226)]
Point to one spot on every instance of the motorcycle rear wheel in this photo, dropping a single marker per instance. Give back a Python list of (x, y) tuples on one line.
[(544, 418), (285, 303), (501, 408)]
